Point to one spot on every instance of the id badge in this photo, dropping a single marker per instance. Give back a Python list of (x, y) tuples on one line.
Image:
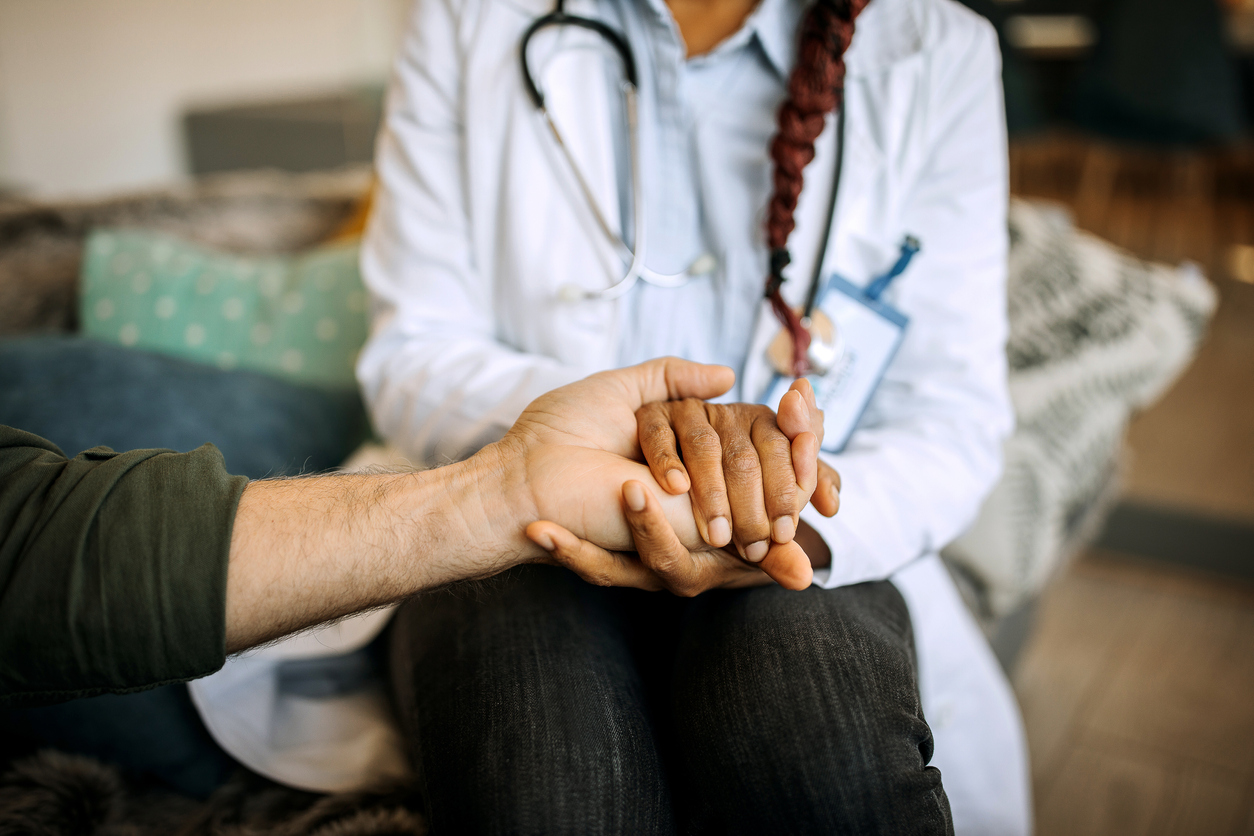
[(871, 331)]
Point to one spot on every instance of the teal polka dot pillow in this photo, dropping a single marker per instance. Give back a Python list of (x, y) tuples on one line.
[(302, 318)]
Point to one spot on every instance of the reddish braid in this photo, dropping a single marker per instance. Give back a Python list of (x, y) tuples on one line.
[(815, 89)]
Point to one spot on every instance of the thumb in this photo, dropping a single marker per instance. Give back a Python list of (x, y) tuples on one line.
[(671, 378), (686, 379), (799, 411), (788, 565)]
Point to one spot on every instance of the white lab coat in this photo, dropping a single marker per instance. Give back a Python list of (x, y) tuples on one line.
[(479, 224)]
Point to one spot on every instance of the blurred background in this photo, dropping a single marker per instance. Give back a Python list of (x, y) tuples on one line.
[(97, 97), (1120, 594)]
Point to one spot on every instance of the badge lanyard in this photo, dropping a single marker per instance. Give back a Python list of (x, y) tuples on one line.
[(865, 333)]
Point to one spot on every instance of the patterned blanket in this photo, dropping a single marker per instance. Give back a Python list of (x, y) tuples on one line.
[(1095, 335)]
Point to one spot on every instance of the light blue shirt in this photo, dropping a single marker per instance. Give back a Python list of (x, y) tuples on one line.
[(705, 128)]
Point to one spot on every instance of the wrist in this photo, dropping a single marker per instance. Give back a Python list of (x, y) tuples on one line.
[(492, 500)]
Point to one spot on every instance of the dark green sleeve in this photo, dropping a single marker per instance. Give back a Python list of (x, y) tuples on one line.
[(112, 568)]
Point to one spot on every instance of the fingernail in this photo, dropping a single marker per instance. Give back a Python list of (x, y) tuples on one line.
[(756, 551), (546, 542), (675, 479), (720, 531), (782, 530), (634, 495)]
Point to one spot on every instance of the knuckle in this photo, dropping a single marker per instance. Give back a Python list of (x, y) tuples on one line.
[(599, 577), (784, 498), (652, 413), (662, 561), (760, 411), (740, 458), (754, 531), (701, 438), (711, 499), (665, 567), (655, 435), (784, 487), (771, 437), (778, 458), (761, 417), (686, 588)]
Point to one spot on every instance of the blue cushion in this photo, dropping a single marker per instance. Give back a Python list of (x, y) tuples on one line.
[(79, 393)]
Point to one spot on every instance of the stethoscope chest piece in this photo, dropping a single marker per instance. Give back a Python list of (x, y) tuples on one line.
[(826, 346)]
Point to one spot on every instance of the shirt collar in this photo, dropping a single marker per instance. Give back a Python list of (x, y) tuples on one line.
[(773, 23)]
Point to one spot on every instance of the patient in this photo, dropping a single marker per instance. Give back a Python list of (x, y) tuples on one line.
[(182, 564)]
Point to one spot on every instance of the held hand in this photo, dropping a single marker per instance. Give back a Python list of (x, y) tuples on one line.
[(568, 455), (749, 472), (663, 562), (566, 460)]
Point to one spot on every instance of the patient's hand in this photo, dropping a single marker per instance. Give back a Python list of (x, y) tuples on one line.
[(748, 471)]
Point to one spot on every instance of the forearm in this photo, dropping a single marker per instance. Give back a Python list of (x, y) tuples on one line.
[(306, 551)]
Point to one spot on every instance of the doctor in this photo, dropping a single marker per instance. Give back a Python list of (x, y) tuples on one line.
[(516, 249)]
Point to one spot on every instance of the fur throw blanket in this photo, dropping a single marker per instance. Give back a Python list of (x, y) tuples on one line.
[(41, 245), (51, 794)]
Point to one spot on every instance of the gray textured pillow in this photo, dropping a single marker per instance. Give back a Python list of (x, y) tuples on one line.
[(1095, 335)]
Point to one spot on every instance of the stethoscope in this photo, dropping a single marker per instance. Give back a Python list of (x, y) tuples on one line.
[(637, 270), (822, 353)]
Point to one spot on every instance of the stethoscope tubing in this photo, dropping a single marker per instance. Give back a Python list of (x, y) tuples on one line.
[(559, 17), (637, 270)]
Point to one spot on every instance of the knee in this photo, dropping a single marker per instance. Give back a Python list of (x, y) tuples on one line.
[(836, 653), (523, 710), (805, 709)]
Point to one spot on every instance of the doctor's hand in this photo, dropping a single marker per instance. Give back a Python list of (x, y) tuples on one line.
[(749, 471)]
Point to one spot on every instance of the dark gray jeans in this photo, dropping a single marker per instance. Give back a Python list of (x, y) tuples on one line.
[(536, 703)]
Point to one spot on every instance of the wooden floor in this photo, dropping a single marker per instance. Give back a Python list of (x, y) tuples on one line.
[(1137, 686), (1137, 690)]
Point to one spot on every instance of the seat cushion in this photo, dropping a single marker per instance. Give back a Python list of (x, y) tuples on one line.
[(80, 393)]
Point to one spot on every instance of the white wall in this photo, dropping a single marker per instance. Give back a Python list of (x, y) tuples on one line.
[(91, 90)]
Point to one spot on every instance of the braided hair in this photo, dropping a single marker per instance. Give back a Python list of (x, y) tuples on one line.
[(815, 89)]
